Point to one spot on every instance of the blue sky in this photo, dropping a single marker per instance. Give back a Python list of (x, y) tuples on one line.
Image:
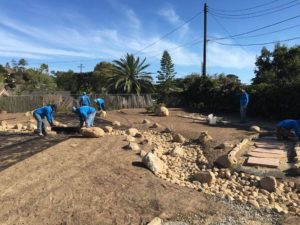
[(64, 33)]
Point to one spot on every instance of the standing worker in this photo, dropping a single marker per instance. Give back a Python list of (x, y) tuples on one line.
[(100, 103), (285, 127), (244, 100), (84, 100), (86, 115), (39, 115)]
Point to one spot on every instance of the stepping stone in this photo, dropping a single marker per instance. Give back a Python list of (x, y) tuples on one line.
[(268, 162), (269, 146), (264, 155), (269, 151)]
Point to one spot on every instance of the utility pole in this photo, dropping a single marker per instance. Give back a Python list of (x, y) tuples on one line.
[(81, 66), (204, 42)]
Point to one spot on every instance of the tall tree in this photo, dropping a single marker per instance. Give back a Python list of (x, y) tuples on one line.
[(102, 71), (129, 76), (166, 76), (166, 72)]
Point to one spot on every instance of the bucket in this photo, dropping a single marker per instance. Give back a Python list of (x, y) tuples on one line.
[(212, 119)]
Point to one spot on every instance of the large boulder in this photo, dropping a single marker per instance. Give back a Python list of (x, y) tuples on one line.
[(177, 151), (145, 121), (4, 124), (205, 138), (178, 138), (153, 163), (162, 111), (102, 114), (132, 146), (18, 126), (205, 177), (116, 123), (268, 183), (93, 132), (255, 129), (108, 129), (132, 131), (226, 161)]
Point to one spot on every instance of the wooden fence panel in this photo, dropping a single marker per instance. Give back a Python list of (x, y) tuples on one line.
[(15, 104)]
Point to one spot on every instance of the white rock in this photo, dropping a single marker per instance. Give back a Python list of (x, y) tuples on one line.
[(116, 123), (178, 138), (94, 132), (133, 146), (255, 129), (156, 221), (102, 114), (132, 131), (18, 126), (153, 163), (177, 151), (108, 129), (162, 111)]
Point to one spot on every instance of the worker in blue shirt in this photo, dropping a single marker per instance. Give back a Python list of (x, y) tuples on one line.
[(84, 100), (86, 115), (285, 127), (100, 103), (244, 101), (39, 114)]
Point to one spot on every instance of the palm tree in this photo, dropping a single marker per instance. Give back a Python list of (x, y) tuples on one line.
[(129, 76)]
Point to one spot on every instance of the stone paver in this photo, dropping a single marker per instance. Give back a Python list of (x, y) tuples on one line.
[(269, 151), (269, 162), (264, 155)]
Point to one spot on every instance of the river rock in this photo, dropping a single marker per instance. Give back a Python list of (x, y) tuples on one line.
[(102, 114), (162, 111), (204, 138), (132, 131), (108, 129), (255, 129), (116, 123), (133, 146), (18, 126), (145, 121), (156, 221), (205, 177)]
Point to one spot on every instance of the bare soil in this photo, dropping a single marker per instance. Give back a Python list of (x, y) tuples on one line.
[(95, 181)]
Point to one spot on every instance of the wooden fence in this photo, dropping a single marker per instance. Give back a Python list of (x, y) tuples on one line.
[(16, 104)]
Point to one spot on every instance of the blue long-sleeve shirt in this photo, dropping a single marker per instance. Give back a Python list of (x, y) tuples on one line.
[(290, 125), (45, 111), (84, 100), (244, 99), (100, 103), (84, 111)]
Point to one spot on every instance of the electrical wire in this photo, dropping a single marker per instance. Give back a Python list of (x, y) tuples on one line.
[(237, 17), (257, 29), (245, 9), (263, 34), (169, 33), (256, 44)]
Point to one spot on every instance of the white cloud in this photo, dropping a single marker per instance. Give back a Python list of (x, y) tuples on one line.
[(229, 57), (133, 19), (171, 16)]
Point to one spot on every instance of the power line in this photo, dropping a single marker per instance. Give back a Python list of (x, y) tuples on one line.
[(169, 33), (245, 9), (256, 44), (263, 34), (241, 16), (256, 12), (234, 39), (257, 29)]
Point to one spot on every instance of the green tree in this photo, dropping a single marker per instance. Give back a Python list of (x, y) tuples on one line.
[(166, 75), (102, 72), (129, 76)]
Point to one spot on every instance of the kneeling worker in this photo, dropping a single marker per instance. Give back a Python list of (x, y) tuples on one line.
[(100, 103), (39, 115), (86, 115), (285, 127)]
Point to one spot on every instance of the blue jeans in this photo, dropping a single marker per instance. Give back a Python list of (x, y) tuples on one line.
[(243, 112), (41, 125), (89, 122)]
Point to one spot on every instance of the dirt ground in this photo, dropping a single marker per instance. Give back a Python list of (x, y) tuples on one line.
[(95, 181)]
